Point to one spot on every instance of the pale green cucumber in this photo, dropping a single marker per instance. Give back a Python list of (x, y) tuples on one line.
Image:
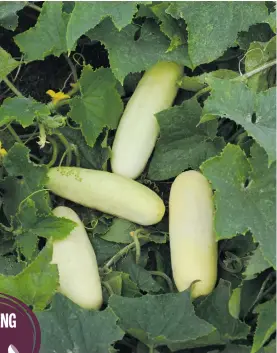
[(107, 192), (138, 129), (77, 266), (193, 244)]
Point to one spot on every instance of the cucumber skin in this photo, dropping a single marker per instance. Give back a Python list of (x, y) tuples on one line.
[(77, 265), (138, 129), (107, 192), (193, 243)]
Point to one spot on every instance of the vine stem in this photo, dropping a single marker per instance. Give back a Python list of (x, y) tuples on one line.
[(256, 71), (14, 134), (68, 148), (113, 260), (108, 288), (164, 276), (134, 235), (34, 7), (243, 77), (72, 67), (18, 94), (54, 153), (12, 87)]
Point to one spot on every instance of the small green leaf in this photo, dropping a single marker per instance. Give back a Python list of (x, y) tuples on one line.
[(25, 180), (250, 291), (213, 26), (238, 207), (266, 324), (139, 275), (48, 36), (104, 250), (129, 55), (175, 31), (7, 63), (159, 319), (36, 284), (119, 232), (234, 303), (234, 100), (99, 105), (68, 328), (86, 15), (182, 144), (257, 55), (195, 83), (91, 158), (31, 225), (255, 265), (215, 310), (23, 110), (8, 16), (260, 32)]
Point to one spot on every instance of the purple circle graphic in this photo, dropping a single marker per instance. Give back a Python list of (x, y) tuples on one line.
[(19, 327)]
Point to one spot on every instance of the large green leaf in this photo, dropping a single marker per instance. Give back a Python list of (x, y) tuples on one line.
[(23, 110), (36, 284), (215, 310), (182, 144), (241, 207), (213, 26), (99, 105), (266, 324), (68, 328), (8, 16), (129, 55), (86, 15), (236, 101), (48, 36), (160, 319), (7, 64)]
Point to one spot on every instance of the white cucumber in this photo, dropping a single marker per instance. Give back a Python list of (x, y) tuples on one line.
[(107, 192), (77, 265), (192, 238), (138, 129)]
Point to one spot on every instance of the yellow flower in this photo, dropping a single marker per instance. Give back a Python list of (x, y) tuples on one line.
[(3, 152), (56, 97)]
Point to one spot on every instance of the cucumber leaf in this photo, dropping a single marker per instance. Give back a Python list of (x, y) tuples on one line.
[(255, 112), (36, 284), (99, 105), (81, 330), (244, 196), (182, 144), (213, 26), (129, 55), (86, 16), (165, 324)]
